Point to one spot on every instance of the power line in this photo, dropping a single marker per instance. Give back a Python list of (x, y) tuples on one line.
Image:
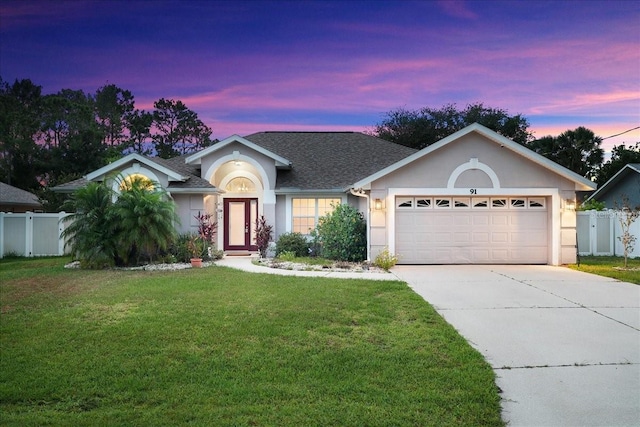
[(622, 133)]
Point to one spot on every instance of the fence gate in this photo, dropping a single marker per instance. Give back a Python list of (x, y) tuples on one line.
[(32, 234)]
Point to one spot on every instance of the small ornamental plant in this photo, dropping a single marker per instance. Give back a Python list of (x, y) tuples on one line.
[(385, 260), (627, 215), (196, 246), (264, 234)]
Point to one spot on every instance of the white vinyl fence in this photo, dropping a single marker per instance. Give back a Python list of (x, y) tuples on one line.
[(598, 233), (32, 234)]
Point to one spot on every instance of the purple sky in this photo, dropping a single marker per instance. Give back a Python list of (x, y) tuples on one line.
[(247, 66)]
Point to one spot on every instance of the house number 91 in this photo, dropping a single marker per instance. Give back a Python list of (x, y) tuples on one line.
[(473, 191)]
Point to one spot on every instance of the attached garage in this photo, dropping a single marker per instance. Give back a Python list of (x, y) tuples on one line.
[(472, 230), (474, 197)]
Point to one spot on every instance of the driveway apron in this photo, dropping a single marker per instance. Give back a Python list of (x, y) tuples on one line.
[(565, 345)]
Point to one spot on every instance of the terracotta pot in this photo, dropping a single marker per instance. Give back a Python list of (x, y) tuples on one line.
[(196, 262)]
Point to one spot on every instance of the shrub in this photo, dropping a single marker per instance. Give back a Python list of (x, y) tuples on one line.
[(207, 227), (592, 205), (343, 234), (288, 256), (385, 260), (180, 247), (264, 233), (292, 242)]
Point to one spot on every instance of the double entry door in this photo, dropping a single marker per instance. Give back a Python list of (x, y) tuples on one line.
[(240, 216)]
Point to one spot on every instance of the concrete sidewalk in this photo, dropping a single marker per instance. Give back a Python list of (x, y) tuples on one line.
[(565, 345), (246, 263)]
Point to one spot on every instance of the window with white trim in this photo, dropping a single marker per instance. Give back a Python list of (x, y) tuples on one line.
[(536, 202), (306, 211), (498, 203), (459, 202), (423, 203), (443, 203), (518, 203), (404, 202)]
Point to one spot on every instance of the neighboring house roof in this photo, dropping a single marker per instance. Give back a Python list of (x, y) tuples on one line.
[(581, 181), (10, 196), (628, 170), (328, 160)]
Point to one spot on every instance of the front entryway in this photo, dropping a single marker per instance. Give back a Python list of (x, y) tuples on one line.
[(240, 216)]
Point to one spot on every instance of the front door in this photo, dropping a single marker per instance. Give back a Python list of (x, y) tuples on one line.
[(240, 216)]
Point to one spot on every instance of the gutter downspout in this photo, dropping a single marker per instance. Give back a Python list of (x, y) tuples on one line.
[(360, 193)]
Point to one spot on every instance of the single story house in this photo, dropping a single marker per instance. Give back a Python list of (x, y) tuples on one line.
[(473, 197), (13, 199), (625, 183)]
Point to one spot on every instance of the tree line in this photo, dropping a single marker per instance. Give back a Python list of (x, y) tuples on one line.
[(47, 140)]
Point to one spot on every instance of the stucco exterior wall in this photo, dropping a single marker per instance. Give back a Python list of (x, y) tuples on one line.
[(500, 171)]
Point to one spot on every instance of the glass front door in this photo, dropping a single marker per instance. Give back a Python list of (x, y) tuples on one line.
[(240, 216)]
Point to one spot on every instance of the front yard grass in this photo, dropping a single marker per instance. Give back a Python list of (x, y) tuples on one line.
[(610, 266), (217, 346)]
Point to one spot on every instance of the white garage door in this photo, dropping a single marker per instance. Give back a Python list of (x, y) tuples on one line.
[(471, 230)]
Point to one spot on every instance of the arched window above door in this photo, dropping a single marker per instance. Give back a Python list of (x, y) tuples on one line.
[(240, 185)]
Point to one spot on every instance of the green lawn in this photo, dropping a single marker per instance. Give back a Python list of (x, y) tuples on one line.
[(610, 266), (219, 347)]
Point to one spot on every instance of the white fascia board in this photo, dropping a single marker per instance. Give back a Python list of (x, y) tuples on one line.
[(197, 157), (581, 182), (135, 157), (285, 191), (194, 191)]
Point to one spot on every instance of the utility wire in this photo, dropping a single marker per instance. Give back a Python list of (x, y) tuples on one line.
[(622, 133)]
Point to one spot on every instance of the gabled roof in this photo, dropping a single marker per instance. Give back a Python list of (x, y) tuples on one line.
[(629, 168), (329, 161), (135, 157), (197, 157), (10, 195), (183, 178), (491, 135)]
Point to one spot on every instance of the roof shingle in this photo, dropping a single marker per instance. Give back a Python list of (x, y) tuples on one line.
[(328, 160)]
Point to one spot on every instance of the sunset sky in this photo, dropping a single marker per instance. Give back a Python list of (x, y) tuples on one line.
[(247, 66)]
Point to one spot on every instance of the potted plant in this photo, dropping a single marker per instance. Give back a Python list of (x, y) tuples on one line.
[(196, 248)]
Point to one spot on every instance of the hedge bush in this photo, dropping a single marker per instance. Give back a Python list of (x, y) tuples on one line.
[(342, 234), (292, 242)]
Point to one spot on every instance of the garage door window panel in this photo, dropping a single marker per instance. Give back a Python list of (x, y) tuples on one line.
[(461, 202), (423, 203), (499, 203), (518, 203), (404, 202), (443, 203)]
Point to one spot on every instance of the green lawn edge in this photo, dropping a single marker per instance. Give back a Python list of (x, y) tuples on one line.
[(217, 346)]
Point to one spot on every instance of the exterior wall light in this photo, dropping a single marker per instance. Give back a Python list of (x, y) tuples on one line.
[(377, 204), (570, 204)]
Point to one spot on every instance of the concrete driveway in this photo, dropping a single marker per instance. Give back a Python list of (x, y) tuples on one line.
[(565, 345)]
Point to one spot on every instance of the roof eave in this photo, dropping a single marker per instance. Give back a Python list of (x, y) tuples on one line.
[(196, 158), (135, 157)]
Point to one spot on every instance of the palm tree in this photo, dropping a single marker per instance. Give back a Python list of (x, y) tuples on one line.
[(147, 219), (92, 231)]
